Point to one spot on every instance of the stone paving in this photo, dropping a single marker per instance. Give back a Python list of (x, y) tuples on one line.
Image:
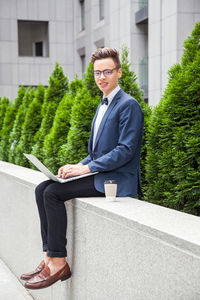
[(10, 287)]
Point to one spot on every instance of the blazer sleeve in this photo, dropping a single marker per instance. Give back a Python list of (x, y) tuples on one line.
[(86, 160), (131, 119)]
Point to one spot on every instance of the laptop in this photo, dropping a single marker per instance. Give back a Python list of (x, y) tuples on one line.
[(49, 174)]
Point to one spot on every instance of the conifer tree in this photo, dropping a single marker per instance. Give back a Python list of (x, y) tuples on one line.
[(4, 103), (58, 134), (191, 46), (8, 123), (5, 131), (19, 120), (83, 111), (173, 142), (128, 79), (129, 84), (85, 102), (20, 95), (30, 126), (58, 86), (89, 82)]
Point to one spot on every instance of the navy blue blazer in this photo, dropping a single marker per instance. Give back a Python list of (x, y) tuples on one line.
[(116, 153)]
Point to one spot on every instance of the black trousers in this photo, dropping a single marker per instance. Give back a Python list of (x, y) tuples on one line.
[(50, 198)]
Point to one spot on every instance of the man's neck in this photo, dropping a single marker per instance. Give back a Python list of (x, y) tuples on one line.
[(112, 92)]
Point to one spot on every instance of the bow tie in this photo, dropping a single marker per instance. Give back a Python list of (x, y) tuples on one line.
[(104, 101)]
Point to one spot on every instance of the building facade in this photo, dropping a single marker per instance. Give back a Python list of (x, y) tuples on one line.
[(35, 34)]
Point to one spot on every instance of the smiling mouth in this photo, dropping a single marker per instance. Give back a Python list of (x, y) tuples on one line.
[(103, 84)]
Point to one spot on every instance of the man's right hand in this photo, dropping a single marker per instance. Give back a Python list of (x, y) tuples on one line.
[(62, 170)]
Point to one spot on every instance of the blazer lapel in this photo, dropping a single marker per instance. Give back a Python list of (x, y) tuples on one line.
[(107, 113), (92, 127)]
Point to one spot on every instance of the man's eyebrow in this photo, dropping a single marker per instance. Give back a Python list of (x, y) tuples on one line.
[(104, 69)]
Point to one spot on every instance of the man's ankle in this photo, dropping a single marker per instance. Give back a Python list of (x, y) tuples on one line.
[(46, 259)]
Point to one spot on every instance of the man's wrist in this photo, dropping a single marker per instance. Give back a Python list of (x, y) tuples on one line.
[(86, 169)]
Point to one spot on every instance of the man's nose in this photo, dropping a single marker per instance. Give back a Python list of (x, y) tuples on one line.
[(102, 75)]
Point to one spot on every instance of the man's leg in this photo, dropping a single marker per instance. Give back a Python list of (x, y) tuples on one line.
[(55, 195), (39, 191), (43, 224)]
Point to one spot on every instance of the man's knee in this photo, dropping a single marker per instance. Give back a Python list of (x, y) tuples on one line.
[(40, 188), (50, 194)]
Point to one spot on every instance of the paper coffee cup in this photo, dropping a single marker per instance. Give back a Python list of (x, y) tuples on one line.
[(110, 187)]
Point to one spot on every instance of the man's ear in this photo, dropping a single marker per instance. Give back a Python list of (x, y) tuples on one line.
[(119, 72)]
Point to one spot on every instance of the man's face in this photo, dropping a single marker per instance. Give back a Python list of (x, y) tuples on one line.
[(107, 83)]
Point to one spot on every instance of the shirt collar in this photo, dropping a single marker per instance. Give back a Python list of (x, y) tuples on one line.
[(112, 94)]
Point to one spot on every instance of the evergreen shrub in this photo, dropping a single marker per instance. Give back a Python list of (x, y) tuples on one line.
[(58, 86), (58, 134), (8, 123), (89, 82), (128, 82), (30, 126), (4, 104), (83, 111), (173, 143), (84, 108), (18, 123)]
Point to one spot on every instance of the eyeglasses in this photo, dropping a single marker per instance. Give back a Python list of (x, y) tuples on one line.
[(107, 72)]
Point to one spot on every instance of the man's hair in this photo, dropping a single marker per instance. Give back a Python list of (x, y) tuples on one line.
[(102, 53)]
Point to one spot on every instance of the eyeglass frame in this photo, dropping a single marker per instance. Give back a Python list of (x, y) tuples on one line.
[(95, 75)]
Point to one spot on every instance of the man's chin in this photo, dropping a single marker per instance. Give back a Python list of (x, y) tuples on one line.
[(104, 90)]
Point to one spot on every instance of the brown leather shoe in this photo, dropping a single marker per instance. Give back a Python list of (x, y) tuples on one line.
[(44, 278), (29, 275)]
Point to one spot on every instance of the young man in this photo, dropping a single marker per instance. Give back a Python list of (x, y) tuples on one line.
[(114, 152)]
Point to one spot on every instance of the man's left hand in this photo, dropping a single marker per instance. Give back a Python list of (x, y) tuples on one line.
[(73, 170)]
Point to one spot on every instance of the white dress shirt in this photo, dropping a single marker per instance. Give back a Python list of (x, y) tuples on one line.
[(102, 111)]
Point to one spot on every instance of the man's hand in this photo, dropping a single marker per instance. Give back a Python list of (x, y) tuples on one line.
[(73, 170)]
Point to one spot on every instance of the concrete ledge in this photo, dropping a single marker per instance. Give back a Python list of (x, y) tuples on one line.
[(124, 250)]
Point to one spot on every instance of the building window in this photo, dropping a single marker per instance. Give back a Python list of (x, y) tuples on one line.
[(38, 49), (82, 4), (82, 63), (101, 9), (33, 86), (143, 3), (33, 38)]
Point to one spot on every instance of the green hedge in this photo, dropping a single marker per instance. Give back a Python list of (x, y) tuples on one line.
[(4, 104), (83, 110), (174, 140), (18, 123), (58, 133), (58, 86), (8, 123), (55, 125), (129, 84), (30, 126)]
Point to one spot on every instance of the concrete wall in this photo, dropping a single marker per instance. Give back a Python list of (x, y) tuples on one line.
[(124, 250)]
